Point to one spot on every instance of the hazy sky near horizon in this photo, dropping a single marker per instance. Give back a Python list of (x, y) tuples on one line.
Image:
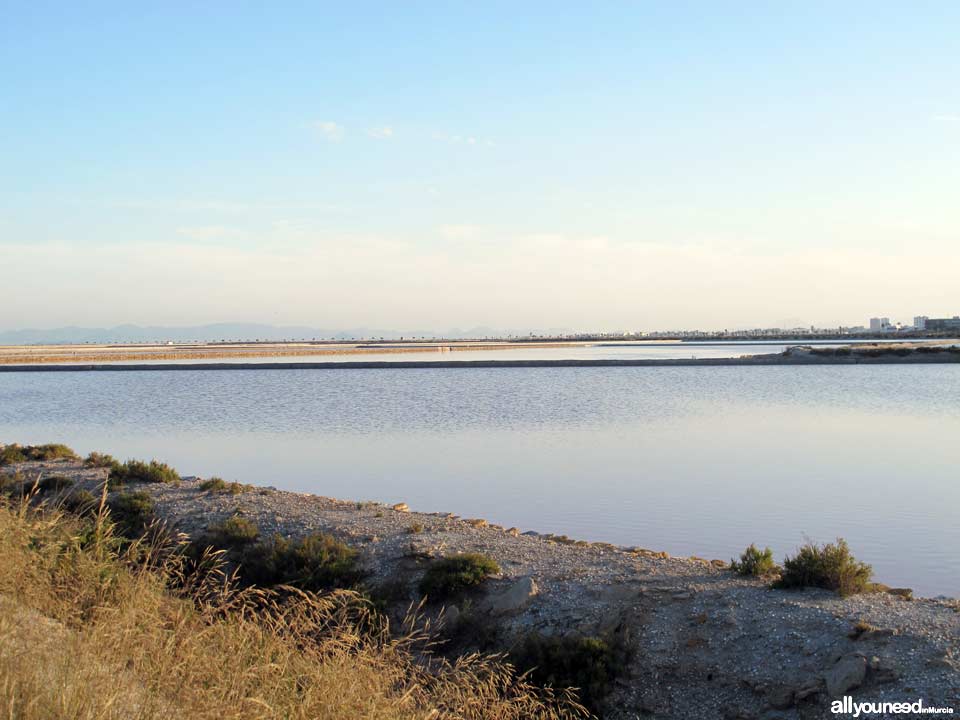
[(612, 165)]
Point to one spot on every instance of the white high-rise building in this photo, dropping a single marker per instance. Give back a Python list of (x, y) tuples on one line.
[(920, 322), (879, 324)]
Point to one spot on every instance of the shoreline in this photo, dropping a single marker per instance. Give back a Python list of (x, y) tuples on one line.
[(704, 638), (773, 359)]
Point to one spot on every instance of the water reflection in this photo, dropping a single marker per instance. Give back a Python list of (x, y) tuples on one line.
[(689, 460)]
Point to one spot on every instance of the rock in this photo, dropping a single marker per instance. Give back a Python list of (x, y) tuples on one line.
[(513, 599), (514, 531), (721, 564), (780, 697), (531, 533), (451, 616), (401, 507), (808, 689), (849, 672), (882, 670), (735, 712)]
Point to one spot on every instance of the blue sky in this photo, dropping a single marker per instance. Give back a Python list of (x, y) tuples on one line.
[(630, 165)]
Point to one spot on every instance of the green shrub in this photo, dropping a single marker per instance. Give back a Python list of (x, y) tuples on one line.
[(455, 573), (315, 562), (219, 485), (234, 532), (139, 471), (49, 451), (132, 513), (54, 483), (100, 460), (10, 481), (80, 502), (214, 484), (830, 566), (755, 562), (12, 454), (590, 664)]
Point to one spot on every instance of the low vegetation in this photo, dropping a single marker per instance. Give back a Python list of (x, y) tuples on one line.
[(92, 628), (219, 485), (831, 566), (232, 534), (80, 502), (132, 513), (452, 575), (316, 562), (11, 454), (755, 562), (590, 664), (139, 471), (54, 484), (100, 460)]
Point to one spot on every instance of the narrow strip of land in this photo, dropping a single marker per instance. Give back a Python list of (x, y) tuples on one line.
[(789, 358)]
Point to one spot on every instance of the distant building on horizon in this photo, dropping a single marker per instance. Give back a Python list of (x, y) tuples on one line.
[(880, 325), (920, 322), (942, 324)]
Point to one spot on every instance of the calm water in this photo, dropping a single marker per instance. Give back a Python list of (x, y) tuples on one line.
[(696, 461)]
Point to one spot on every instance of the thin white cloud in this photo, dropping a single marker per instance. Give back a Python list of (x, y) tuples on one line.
[(385, 132), (472, 140), (329, 130)]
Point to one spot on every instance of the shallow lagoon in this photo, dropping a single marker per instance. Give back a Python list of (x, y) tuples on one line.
[(697, 461)]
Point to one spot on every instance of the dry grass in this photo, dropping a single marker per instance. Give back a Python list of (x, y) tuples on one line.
[(92, 632)]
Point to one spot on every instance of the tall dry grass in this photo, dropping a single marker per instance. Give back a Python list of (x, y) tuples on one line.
[(95, 629)]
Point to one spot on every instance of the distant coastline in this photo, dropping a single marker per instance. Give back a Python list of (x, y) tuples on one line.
[(870, 355)]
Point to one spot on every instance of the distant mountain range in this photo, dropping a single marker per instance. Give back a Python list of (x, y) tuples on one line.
[(235, 331)]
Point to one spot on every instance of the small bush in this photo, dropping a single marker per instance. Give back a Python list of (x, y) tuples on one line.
[(12, 454), (132, 513), (139, 471), (415, 528), (49, 451), (234, 532), (456, 573), (54, 483), (755, 562), (100, 460), (12, 482), (590, 664), (219, 485), (830, 566), (214, 484), (80, 502), (315, 562)]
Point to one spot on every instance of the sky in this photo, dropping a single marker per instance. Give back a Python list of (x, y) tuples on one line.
[(592, 166)]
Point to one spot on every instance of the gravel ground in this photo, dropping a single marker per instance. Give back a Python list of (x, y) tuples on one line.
[(706, 643)]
